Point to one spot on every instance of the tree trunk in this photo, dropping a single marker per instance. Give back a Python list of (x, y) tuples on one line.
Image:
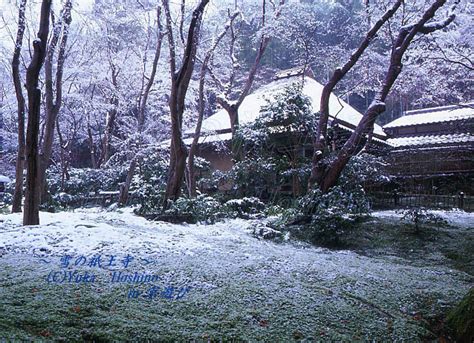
[(20, 159), (232, 108), (53, 105), (91, 143), (351, 146), (110, 119), (179, 85), (65, 156), (33, 183), (125, 187)]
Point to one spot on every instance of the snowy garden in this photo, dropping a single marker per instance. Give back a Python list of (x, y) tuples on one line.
[(234, 284), (236, 170)]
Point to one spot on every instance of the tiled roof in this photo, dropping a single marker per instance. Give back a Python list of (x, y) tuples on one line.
[(434, 115), (457, 138)]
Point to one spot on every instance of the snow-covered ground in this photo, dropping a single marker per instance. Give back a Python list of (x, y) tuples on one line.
[(88, 231), (236, 277), (455, 217)]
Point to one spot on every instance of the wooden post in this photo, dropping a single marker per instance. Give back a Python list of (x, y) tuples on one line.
[(461, 200)]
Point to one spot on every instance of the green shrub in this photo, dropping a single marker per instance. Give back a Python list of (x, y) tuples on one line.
[(149, 183)]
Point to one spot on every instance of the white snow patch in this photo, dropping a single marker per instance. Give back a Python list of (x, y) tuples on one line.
[(4, 179), (454, 217), (88, 231)]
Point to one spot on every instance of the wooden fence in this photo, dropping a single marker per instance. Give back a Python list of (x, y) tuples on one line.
[(383, 200)]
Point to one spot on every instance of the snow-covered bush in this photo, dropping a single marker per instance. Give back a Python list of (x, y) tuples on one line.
[(149, 183), (244, 208), (81, 182), (203, 208), (253, 177), (363, 169), (420, 216), (326, 219), (6, 197)]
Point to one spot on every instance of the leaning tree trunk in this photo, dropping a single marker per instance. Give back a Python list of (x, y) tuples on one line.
[(33, 183), (125, 187), (110, 118), (90, 140), (401, 44), (20, 159)]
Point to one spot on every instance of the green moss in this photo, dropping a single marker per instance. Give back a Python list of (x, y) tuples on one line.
[(461, 318)]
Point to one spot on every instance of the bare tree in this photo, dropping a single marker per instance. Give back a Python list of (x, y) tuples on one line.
[(53, 105), (180, 79), (405, 37), (321, 141), (18, 194), (142, 103), (33, 182), (232, 107), (191, 177), (111, 113), (90, 139)]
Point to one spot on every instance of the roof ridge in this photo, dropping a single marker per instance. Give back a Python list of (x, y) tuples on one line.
[(439, 108)]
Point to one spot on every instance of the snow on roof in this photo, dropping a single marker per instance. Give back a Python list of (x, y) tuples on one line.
[(250, 107), (4, 179), (296, 71), (210, 138), (458, 138), (434, 115)]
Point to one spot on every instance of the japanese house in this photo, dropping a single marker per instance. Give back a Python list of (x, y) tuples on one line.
[(432, 149), (216, 132)]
